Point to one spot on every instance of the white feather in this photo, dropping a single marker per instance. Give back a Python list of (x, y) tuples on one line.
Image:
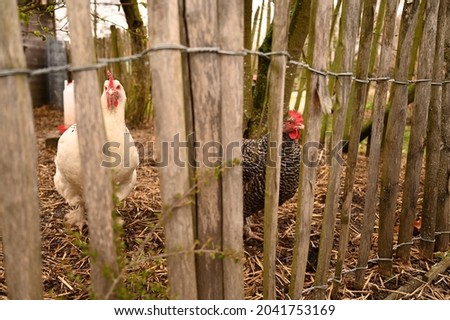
[(68, 176)]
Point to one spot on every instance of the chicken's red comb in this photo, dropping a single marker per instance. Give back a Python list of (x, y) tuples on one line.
[(297, 116), (111, 79)]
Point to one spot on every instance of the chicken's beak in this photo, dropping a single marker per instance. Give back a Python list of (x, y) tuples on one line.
[(110, 101), (110, 97), (301, 126)]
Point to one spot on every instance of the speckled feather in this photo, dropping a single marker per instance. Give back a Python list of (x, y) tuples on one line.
[(254, 171)]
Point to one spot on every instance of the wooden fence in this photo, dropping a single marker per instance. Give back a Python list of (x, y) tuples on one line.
[(117, 44), (197, 71)]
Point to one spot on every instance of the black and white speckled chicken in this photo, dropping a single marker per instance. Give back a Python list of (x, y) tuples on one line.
[(254, 165)]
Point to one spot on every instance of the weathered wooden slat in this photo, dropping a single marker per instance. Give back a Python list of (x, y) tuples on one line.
[(392, 152), (375, 143), (97, 187), (277, 74), (201, 19), (19, 204), (317, 100), (433, 142), (349, 27), (168, 99), (231, 27), (357, 102), (418, 131)]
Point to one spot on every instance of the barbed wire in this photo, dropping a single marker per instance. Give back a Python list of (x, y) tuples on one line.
[(103, 62)]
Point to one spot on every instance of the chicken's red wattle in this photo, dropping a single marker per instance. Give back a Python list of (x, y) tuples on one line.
[(62, 128)]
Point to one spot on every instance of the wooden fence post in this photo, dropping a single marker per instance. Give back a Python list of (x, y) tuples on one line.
[(443, 183), (317, 99), (433, 142), (277, 73), (418, 131), (349, 27), (97, 186), (19, 204), (231, 28), (392, 152), (375, 144), (201, 25), (358, 103), (168, 98)]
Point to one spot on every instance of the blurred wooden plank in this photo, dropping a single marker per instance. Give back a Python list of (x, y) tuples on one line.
[(201, 18), (97, 186), (277, 73), (19, 204), (168, 98), (231, 69)]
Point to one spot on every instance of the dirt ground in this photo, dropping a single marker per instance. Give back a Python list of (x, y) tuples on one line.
[(66, 263)]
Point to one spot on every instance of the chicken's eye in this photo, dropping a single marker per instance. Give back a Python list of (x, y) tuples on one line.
[(118, 87), (106, 88)]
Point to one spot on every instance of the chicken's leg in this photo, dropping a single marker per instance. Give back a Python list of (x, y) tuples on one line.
[(76, 217), (249, 234)]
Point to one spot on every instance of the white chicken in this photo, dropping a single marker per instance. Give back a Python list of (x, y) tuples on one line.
[(122, 157)]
